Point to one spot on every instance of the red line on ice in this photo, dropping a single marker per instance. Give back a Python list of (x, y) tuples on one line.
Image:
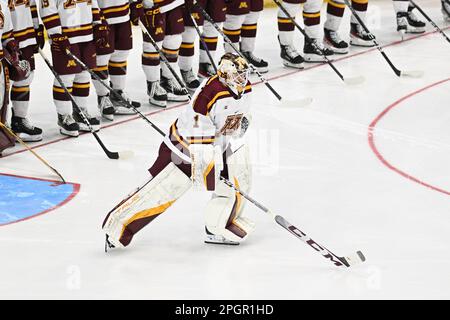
[(371, 138), (256, 83)]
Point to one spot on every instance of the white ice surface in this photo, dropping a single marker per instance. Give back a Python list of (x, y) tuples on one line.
[(313, 165)]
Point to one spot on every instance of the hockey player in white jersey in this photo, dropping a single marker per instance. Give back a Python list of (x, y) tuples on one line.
[(71, 25), (29, 34), (112, 59), (197, 150), (163, 20)]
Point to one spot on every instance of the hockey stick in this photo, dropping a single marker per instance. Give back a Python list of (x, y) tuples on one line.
[(349, 81), (111, 155), (399, 73), (299, 103), (114, 92), (33, 152), (429, 20), (201, 39), (338, 261)]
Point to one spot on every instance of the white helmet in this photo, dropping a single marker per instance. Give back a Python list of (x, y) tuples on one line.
[(234, 72)]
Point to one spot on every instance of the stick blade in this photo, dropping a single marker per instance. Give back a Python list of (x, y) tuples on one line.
[(354, 259), (297, 103), (126, 154), (412, 74), (352, 81)]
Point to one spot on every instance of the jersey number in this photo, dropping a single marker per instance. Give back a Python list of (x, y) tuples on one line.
[(72, 3), (68, 4), (12, 4)]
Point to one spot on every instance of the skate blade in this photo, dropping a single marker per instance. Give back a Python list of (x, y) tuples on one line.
[(412, 74), (298, 103), (354, 80)]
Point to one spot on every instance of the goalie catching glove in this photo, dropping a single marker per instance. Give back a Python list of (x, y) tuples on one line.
[(206, 165)]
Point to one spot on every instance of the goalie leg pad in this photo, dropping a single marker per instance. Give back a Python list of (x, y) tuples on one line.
[(224, 210), (145, 205)]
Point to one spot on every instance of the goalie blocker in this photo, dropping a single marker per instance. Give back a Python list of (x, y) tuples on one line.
[(192, 154)]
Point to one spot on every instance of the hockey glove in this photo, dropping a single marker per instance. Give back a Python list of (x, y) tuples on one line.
[(40, 38), (136, 11), (60, 43), (101, 36), (18, 69), (206, 165)]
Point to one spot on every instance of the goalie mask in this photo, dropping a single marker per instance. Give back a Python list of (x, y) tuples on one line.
[(234, 72)]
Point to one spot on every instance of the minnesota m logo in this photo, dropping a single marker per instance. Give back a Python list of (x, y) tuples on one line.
[(71, 63), (159, 30), (243, 4)]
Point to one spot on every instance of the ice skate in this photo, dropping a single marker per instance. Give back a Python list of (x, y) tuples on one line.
[(206, 70), (316, 52), (174, 91), (290, 56), (260, 65), (106, 107), (68, 126), (120, 106), (190, 80), (217, 239), (333, 41), (157, 94), (93, 121), (359, 37), (25, 130)]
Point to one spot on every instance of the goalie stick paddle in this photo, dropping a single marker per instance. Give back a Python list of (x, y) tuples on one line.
[(347, 261), (430, 21), (109, 154), (399, 73), (338, 261)]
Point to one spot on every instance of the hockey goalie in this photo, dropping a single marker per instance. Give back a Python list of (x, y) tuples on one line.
[(201, 146)]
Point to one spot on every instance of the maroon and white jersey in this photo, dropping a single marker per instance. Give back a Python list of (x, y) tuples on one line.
[(74, 18), (6, 27), (213, 117), (24, 20), (164, 5), (115, 11)]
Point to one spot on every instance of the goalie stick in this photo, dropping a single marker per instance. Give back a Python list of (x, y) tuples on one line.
[(430, 20), (109, 154), (285, 103), (349, 81), (338, 261), (33, 152), (399, 73)]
